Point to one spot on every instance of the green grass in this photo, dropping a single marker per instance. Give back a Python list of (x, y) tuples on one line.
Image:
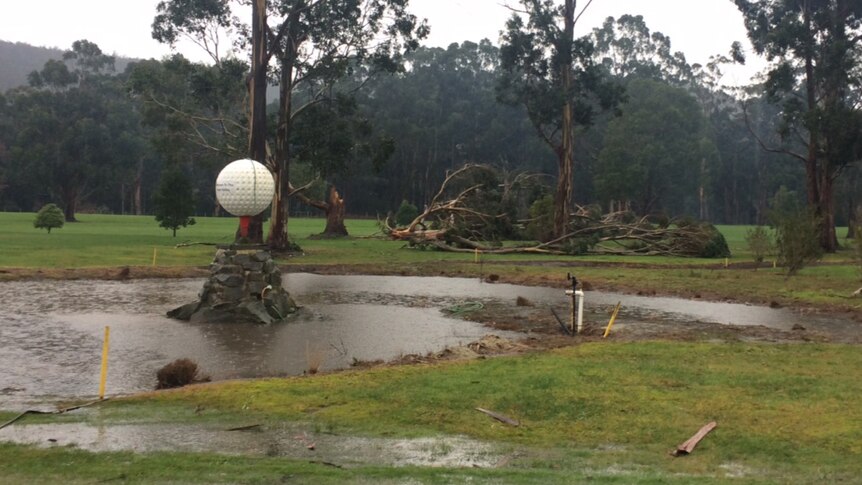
[(785, 413), (110, 240)]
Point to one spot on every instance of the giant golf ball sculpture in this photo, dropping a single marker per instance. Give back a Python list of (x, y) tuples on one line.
[(244, 283), (244, 188)]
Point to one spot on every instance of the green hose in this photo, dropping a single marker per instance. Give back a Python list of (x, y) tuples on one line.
[(466, 307)]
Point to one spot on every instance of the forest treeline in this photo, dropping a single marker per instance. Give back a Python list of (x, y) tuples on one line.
[(678, 143)]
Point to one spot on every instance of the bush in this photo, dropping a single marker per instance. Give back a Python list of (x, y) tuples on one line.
[(49, 217), (541, 225), (797, 239), (759, 243), (406, 213), (715, 245), (179, 373)]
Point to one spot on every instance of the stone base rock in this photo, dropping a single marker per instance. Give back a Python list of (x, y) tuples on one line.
[(244, 286)]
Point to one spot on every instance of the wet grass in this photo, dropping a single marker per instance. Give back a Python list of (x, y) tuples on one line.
[(782, 410), (27, 465)]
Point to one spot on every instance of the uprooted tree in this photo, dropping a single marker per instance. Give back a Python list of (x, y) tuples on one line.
[(471, 202)]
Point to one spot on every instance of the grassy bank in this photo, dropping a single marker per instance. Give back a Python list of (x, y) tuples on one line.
[(785, 413)]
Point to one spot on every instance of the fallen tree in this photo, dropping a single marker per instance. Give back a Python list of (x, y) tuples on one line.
[(452, 219)]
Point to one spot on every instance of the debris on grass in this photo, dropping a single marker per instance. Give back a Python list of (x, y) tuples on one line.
[(688, 446), (499, 417)]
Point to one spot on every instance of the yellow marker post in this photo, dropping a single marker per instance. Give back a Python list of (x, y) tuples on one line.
[(155, 252), (726, 262), (774, 263), (104, 375), (476, 260), (613, 319)]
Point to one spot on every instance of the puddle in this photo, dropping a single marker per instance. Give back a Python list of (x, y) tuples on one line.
[(51, 331), (285, 441)]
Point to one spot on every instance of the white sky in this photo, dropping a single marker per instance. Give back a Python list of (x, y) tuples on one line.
[(699, 28)]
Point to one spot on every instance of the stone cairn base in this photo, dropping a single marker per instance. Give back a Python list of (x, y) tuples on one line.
[(244, 286)]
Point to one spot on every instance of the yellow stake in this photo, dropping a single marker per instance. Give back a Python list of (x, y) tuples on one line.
[(613, 319), (104, 375), (476, 260), (774, 264), (155, 252)]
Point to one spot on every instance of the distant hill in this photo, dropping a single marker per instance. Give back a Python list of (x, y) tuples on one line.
[(17, 60)]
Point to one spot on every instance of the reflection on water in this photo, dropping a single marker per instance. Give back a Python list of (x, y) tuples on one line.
[(51, 331), (51, 334)]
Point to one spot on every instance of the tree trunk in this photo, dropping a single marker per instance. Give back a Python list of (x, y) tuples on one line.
[(566, 153), (828, 237), (278, 239), (335, 211), (70, 205), (136, 197), (257, 105)]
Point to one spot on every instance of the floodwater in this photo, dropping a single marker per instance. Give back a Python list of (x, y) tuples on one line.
[(51, 331), (286, 440)]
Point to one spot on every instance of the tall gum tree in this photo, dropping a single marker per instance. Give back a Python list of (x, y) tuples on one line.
[(309, 45), (553, 74), (815, 51)]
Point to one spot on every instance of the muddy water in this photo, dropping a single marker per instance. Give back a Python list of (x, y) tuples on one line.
[(635, 309), (51, 334), (51, 331)]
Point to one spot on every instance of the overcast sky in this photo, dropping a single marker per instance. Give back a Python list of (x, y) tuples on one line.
[(699, 28)]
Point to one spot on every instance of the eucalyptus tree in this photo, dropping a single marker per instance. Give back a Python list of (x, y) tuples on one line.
[(553, 73), (815, 53), (652, 154), (627, 48), (67, 128), (314, 44)]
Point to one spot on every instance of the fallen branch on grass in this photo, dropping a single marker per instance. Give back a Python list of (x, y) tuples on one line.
[(187, 244), (500, 417), (857, 292), (688, 446), (59, 411)]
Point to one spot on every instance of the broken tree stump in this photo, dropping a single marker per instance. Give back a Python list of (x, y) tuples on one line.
[(688, 446)]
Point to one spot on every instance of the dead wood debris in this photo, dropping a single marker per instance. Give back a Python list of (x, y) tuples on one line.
[(590, 231), (500, 417), (688, 446)]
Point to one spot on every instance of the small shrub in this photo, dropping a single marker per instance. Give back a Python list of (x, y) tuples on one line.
[(759, 243), (179, 373), (541, 225), (49, 217), (406, 213), (797, 239)]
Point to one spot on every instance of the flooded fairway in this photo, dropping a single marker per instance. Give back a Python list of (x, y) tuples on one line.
[(51, 331)]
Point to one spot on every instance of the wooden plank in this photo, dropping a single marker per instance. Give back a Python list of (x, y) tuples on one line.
[(500, 417), (688, 446)]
